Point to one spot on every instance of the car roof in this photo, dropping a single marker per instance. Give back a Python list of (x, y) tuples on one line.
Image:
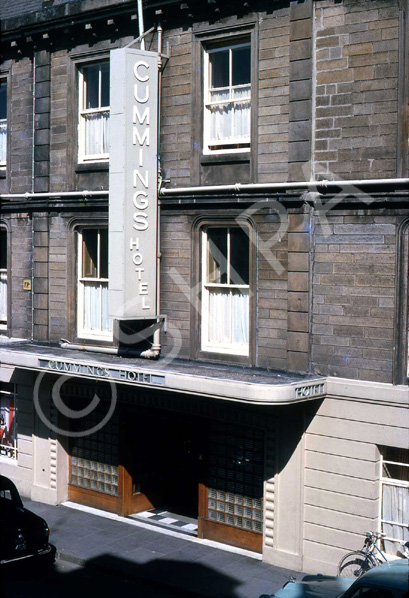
[(392, 575)]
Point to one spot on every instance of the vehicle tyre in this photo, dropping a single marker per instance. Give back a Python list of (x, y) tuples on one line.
[(354, 564)]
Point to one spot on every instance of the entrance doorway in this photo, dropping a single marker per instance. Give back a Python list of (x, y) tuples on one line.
[(162, 467)]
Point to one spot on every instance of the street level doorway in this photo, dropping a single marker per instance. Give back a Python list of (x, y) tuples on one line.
[(162, 462)]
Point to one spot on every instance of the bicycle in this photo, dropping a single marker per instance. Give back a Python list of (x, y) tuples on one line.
[(355, 563)]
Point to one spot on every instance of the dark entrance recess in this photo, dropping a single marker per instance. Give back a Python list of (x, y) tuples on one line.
[(187, 465), (162, 462)]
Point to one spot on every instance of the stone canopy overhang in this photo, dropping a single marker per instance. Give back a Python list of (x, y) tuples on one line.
[(253, 386)]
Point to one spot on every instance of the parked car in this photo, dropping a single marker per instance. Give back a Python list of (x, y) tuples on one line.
[(389, 580), (23, 534)]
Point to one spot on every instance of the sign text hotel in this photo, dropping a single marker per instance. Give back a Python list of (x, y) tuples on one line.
[(133, 184)]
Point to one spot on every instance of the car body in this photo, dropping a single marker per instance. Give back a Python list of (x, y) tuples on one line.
[(23, 534), (389, 580)]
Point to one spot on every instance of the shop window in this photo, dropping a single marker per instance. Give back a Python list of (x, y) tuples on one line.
[(3, 123), (3, 279), (93, 317), (227, 103), (94, 112), (8, 422), (225, 289), (395, 497)]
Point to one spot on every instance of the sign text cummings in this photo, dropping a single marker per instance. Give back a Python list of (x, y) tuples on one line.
[(133, 184)]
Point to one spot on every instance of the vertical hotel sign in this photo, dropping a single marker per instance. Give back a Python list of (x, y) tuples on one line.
[(133, 186)]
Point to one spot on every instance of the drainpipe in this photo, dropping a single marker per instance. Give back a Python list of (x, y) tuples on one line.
[(156, 346), (32, 191), (140, 24), (54, 194), (314, 185), (148, 354)]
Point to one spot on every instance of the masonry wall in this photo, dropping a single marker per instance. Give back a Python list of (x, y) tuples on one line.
[(342, 475), (354, 294), (356, 89)]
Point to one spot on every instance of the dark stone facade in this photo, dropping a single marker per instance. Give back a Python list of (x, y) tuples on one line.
[(329, 81)]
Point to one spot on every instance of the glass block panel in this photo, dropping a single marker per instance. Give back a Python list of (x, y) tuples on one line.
[(211, 514), (236, 457)]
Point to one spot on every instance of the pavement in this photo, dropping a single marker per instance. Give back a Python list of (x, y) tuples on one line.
[(136, 549)]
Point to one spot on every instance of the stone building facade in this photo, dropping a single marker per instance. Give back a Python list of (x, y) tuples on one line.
[(275, 410)]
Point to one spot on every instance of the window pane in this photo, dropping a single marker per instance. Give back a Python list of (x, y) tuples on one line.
[(241, 70), (8, 427), (219, 317), (3, 249), (105, 84), (3, 100), (240, 317), (103, 265), (89, 252), (91, 78), (239, 256), (92, 306), (219, 68), (217, 255)]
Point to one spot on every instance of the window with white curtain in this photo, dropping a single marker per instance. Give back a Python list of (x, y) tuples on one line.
[(3, 123), (3, 279), (94, 112), (227, 103), (395, 497), (93, 317), (225, 289)]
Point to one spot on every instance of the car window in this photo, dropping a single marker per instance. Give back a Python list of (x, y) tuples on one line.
[(9, 493)]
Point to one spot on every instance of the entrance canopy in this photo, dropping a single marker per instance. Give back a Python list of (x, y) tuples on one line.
[(245, 385)]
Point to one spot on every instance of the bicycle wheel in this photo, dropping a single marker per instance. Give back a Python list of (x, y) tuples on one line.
[(354, 564)]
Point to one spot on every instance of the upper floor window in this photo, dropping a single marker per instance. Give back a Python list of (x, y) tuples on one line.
[(3, 123), (225, 289), (3, 279), (94, 112), (93, 317), (227, 89)]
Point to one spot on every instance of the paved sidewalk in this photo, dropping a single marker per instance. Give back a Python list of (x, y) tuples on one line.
[(136, 549)]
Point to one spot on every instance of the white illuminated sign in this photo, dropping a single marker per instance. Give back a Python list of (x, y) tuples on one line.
[(133, 184)]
